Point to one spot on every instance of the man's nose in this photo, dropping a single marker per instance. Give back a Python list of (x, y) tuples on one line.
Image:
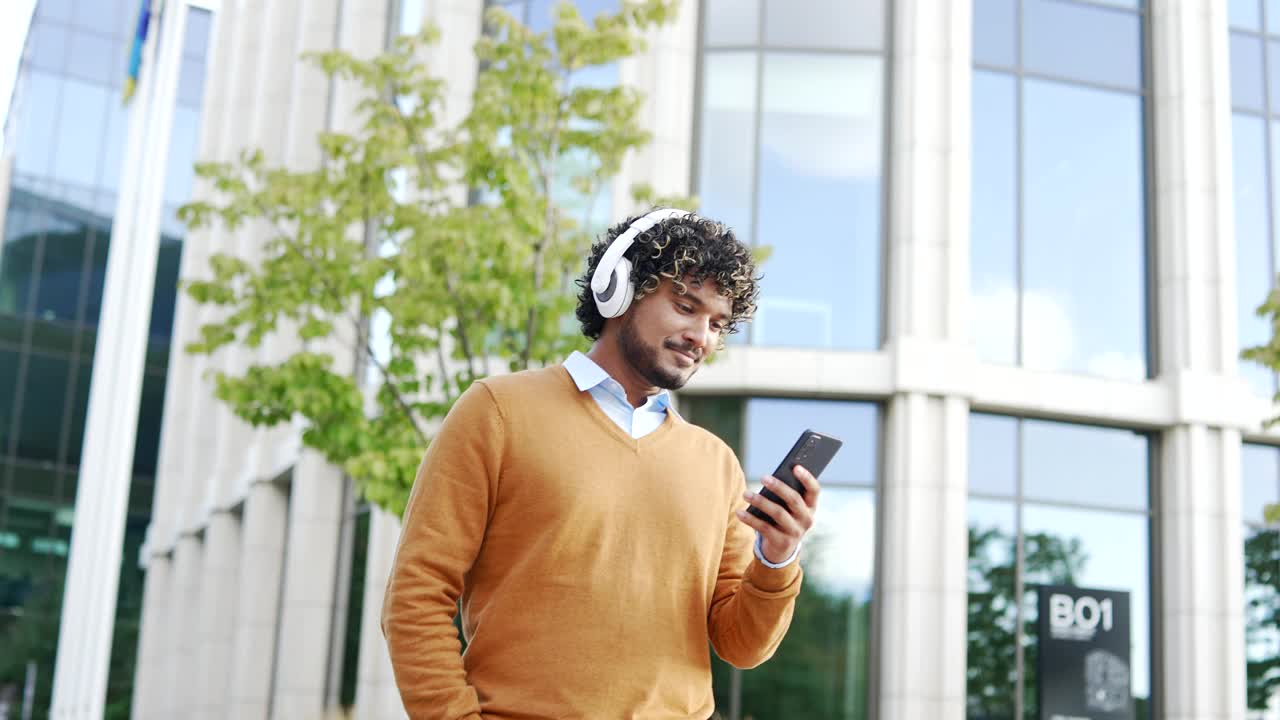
[(698, 334)]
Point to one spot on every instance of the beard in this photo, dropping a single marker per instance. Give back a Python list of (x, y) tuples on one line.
[(645, 360)]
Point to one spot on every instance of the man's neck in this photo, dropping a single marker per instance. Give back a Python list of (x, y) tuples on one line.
[(605, 354)]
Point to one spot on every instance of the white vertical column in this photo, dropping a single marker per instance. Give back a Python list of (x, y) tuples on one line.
[(266, 515), (93, 567), (307, 604), (184, 622), (218, 597), (173, 480), (920, 662), (307, 635), (151, 636), (1201, 663), (377, 697)]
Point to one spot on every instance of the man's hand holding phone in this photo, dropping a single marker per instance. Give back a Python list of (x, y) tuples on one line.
[(791, 521)]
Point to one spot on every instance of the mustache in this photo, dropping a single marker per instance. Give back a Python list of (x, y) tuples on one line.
[(683, 347)]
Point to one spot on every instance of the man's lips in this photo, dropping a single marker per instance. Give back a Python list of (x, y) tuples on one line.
[(689, 354)]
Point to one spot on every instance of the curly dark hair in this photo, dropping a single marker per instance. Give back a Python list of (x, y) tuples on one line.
[(688, 247)]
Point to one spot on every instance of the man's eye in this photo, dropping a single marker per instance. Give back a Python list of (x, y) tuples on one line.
[(685, 308)]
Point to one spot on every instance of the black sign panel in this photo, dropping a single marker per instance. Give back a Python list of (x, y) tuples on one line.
[(1082, 666)]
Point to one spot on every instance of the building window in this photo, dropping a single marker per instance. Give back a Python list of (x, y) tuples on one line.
[(1050, 503), (1255, 127), (1059, 270), (820, 670), (1260, 486), (790, 154)]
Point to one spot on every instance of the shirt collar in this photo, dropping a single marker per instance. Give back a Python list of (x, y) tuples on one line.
[(587, 374)]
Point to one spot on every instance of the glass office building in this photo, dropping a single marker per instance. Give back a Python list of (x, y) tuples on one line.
[(1016, 250), (65, 136)]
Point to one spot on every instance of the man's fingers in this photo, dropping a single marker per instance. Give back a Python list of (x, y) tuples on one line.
[(811, 486), (779, 513)]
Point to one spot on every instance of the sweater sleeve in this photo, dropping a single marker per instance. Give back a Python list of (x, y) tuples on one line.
[(753, 603), (443, 526)]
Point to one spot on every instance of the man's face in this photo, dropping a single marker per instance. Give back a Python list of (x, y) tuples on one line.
[(666, 335)]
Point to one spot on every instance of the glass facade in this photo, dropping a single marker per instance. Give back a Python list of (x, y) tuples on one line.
[(820, 671), (1059, 266), (68, 129), (1260, 486), (790, 153), (1255, 126), (1050, 503)]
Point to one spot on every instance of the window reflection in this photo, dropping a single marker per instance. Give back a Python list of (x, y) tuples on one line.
[(772, 426), (991, 665), (79, 132), (993, 455), (819, 201), (995, 33), (43, 407), (1091, 548), (8, 396), (1058, 265), (732, 22), (37, 103), (809, 188), (1253, 258), (1084, 464), (1086, 545), (994, 218), (725, 172), (1260, 478), (1083, 191), (61, 271), (1055, 32), (1246, 72), (1244, 14), (820, 670), (834, 24)]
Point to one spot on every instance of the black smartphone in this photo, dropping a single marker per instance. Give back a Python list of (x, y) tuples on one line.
[(814, 451)]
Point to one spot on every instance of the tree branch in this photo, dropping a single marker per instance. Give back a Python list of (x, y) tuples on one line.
[(287, 238), (424, 171), (550, 227)]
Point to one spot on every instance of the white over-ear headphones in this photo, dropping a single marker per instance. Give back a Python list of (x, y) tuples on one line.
[(611, 283)]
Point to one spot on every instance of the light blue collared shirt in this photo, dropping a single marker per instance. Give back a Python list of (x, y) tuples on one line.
[(638, 421)]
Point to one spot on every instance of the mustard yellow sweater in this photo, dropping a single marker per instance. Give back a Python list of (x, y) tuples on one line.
[(593, 568)]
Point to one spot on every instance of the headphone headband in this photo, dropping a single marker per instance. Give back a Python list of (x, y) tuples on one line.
[(604, 270)]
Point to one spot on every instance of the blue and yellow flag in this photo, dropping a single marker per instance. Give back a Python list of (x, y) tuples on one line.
[(135, 55)]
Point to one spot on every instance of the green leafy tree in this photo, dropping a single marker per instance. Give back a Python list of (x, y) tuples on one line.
[(1262, 619), (382, 232)]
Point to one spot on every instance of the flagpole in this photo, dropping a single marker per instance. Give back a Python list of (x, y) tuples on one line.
[(93, 566)]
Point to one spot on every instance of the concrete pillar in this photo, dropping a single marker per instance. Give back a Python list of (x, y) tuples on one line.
[(219, 584), (184, 619), (377, 697), (1200, 615), (919, 667), (307, 603), (266, 516), (152, 634), (667, 76)]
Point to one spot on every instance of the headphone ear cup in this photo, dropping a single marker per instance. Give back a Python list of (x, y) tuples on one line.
[(627, 290), (617, 297)]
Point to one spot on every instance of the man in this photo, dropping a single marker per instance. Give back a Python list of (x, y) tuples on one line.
[(596, 540)]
